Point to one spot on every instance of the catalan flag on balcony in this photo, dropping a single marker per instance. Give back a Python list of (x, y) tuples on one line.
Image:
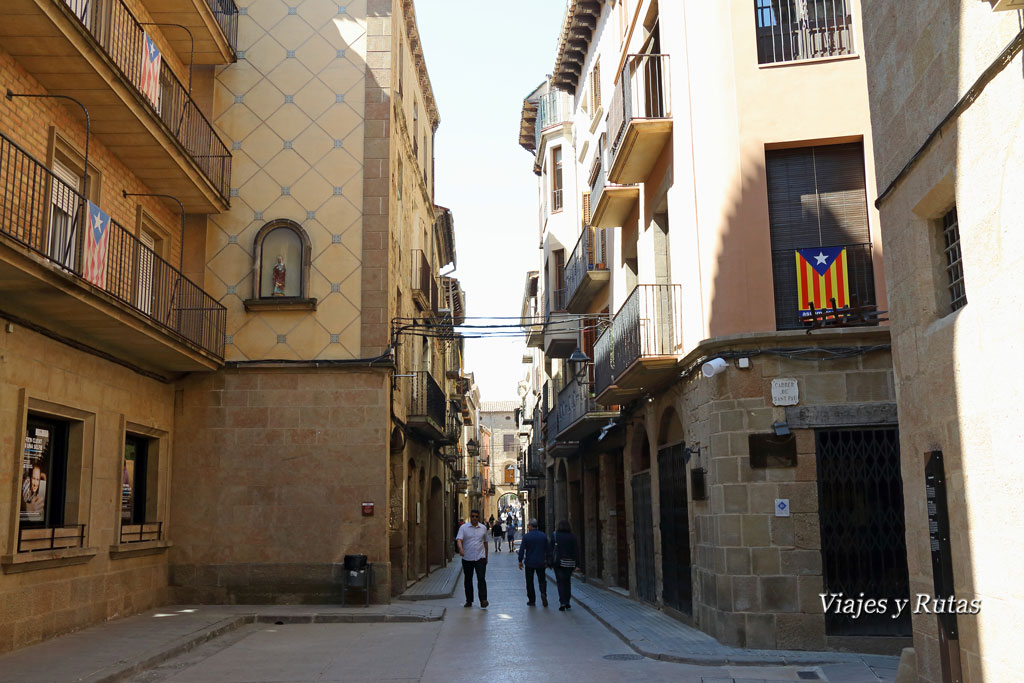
[(822, 274), (94, 251), (150, 77)]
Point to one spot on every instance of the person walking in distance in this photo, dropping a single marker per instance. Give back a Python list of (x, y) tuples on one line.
[(499, 533), (511, 535), (472, 542), (533, 552), (566, 556)]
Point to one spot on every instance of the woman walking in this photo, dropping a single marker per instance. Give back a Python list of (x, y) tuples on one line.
[(511, 534), (566, 556), (498, 534)]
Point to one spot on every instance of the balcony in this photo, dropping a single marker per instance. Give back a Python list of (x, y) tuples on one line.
[(638, 353), (561, 329), (531, 314), (790, 32), (586, 272), (213, 24), (427, 414), (610, 203), (453, 300), (137, 307), (424, 285), (453, 422), (553, 109), (639, 118), (92, 50), (579, 416)]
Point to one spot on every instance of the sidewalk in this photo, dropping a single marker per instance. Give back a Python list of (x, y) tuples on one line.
[(654, 634), (117, 649), (436, 585)]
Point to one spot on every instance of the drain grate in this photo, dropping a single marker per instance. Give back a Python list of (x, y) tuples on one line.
[(808, 675), (623, 658)]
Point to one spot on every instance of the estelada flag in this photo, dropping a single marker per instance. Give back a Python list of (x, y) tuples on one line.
[(150, 77), (821, 275), (94, 251)]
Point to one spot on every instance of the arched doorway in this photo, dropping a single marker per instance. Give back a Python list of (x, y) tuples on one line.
[(643, 517), (435, 523), (561, 492), (676, 581), (509, 503), (410, 521)]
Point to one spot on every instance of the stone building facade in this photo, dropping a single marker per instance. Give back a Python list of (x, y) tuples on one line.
[(946, 110), (262, 376), (694, 427), (499, 419)]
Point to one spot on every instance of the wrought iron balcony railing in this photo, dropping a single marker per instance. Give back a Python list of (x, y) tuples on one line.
[(553, 108), (120, 36), (641, 93), (554, 302), (424, 285), (590, 253), (648, 324), (46, 215), (575, 400), (226, 14), (426, 400), (793, 30)]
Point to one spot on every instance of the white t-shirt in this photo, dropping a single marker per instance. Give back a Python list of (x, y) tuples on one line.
[(474, 541)]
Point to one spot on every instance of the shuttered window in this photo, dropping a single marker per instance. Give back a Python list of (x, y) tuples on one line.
[(586, 208), (817, 198)]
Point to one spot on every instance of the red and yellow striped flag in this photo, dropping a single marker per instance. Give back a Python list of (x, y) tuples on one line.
[(822, 274)]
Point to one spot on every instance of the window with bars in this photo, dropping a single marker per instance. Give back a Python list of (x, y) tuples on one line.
[(953, 260), (794, 30), (817, 198)]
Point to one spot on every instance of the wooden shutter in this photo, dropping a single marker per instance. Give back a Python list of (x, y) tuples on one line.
[(586, 208), (64, 206), (144, 300), (817, 198), (595, 88)]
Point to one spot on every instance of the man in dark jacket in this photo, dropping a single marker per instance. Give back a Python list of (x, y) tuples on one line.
[(533, 552)]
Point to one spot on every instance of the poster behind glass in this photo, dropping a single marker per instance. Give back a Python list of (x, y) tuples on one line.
[(35, 471), (128, 482)]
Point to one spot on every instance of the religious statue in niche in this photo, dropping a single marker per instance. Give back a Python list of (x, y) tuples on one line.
[(278, 276)]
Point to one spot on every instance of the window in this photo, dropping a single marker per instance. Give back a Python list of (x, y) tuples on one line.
[(953, 260), (65, 204), (510, 474), (281, 272), (556, 179), (791, 30), (817, 199), (416, 131), (509, 443), (398, 177), (44, 472), (133, 479), (595, 89)]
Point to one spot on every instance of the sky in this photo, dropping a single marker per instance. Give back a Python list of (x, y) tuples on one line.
[(484, 57)]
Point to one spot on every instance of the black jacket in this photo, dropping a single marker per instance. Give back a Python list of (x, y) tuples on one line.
[(565, 548)]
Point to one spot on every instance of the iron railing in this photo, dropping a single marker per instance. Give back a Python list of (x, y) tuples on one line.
[(453, 422), (793, 30), (121, 37), (46, 215), (427, 399), (32, 539), (590, 253), (553, 108), (226, 14), (554, 302), (423, 283), (860, 278), (648, 324), (643, 92), (137, 533)]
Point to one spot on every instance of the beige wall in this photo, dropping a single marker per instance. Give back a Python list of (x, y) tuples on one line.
[(956, 391), (49, 592)]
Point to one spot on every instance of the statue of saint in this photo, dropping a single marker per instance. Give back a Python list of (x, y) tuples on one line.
[(278, 276)]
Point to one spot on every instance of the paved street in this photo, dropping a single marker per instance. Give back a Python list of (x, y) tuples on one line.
[(506, 642)]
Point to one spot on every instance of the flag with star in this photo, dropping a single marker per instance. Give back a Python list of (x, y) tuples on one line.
[(94, 251), (150, 76), (822, 274)]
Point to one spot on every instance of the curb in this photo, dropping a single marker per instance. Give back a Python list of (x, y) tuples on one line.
[(739, 658), (433, 596)]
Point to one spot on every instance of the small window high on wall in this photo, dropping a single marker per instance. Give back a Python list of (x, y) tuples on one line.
[(281, 271)]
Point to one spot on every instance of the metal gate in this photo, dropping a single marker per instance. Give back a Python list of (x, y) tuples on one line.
[(863, 542), (643, 537), (677, 589)]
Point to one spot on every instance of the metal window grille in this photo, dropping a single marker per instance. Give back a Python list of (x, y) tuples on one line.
[(794, 30), (954, 260)]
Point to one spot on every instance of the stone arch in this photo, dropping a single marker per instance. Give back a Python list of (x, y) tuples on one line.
[(640, 448), (285, 238), (670, 427)]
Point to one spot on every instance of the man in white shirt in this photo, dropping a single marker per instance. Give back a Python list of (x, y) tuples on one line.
[(472, 542)]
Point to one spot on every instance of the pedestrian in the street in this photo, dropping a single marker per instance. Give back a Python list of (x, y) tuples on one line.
[(490, 521), (533, 553), (499, 533), (565, 557), (472, 541), (511, 535)]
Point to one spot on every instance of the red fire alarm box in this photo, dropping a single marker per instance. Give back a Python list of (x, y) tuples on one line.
[(367, 509)]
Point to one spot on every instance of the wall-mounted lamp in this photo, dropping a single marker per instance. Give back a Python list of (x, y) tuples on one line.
[(714, 366), (580, 360), (781, 428)]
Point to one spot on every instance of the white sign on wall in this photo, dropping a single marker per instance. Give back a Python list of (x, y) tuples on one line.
[(782, 507), (785, 392)]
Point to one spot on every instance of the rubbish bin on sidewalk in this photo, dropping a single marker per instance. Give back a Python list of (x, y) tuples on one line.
[(357, 576)]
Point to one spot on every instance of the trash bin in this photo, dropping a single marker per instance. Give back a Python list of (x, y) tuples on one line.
[(355, 563), (357, 575)]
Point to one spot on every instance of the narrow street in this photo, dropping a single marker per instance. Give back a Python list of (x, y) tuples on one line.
[(508, 641)]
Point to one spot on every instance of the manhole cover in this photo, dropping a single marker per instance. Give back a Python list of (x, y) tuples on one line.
[(623, 658)]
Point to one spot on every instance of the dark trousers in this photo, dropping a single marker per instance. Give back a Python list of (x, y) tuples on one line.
[(562, 576), (480, 567), (542, 581)]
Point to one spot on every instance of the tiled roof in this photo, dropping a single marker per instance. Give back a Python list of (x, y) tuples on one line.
[(499, 406)]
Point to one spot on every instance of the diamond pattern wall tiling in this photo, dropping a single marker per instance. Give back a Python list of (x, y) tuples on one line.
[(314, 98), (316, 53), (311, 189), (336, 262), (243, 167), (266, 13), (290, 75), (265, 54), (286, 206), (231, 265), (259, 191), (317, 14), (265, 98), (237, 122), (289, 121), (335, 312), (239, 78), (287, 167), (313, 143), (309, 338)]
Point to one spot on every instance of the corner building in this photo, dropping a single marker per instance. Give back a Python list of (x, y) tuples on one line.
[(213, 378), (689, 155)]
